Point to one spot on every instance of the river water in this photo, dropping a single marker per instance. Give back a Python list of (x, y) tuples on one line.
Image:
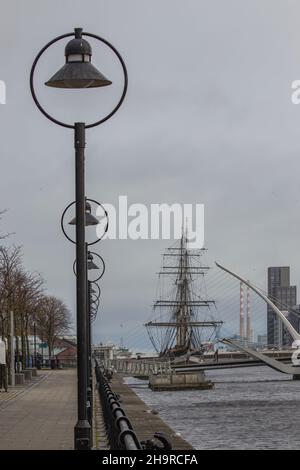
[(249, 408)]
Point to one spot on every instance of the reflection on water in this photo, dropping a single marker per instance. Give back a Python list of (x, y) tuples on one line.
[(250, 408)]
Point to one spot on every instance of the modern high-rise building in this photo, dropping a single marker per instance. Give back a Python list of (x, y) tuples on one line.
[(294, 317), (284, 297), (262, 340)]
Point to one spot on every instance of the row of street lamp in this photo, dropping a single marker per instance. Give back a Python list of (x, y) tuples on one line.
[(92, 306), (78, 72)]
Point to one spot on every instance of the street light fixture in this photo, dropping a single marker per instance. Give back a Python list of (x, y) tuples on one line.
[(34, 342), (90, 219), (91, 303), (98, 291), (78, 72), (91, 264), (95, 292)]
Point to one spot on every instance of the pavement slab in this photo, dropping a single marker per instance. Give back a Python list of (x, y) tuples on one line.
[(42, 415)]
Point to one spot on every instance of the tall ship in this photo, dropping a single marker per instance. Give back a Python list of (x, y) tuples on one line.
[(183, 320)]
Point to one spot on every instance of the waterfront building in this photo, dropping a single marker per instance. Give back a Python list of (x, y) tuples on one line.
[(284, 297)]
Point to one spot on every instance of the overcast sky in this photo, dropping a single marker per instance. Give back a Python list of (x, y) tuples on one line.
[(208, 119)]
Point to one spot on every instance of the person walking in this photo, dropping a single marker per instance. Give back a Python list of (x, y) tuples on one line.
[(3, 368), (216, 355)]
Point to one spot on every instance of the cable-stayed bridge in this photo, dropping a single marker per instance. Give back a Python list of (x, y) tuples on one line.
[(237, 336)]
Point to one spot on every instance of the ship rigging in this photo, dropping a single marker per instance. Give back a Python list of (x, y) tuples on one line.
[(185, 323)]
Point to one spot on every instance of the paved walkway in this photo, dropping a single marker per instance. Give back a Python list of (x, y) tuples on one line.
[(41, 416)]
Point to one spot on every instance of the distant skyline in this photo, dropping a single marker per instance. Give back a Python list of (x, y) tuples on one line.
[(208, 119)]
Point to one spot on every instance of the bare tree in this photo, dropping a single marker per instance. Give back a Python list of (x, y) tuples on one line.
[(22, 292), (10, 264), (2, 236), (53, 319), (27, 296)]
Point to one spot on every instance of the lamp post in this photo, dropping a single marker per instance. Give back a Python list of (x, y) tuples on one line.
[(94, 303), (77, 73), (90, 266), (90, 315), (34, 339), (90, 220), (12, 349), (89, 356)]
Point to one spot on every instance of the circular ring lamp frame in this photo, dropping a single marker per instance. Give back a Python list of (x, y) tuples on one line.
[(63, 216), (103, 266), (94, 284), (94, 298), (64, 124)]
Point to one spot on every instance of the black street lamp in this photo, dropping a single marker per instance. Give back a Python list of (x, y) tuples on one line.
[(78, 72), (92, 303), (90, 266), (34, 340), (90, 262), (90, 219), (95, 292)]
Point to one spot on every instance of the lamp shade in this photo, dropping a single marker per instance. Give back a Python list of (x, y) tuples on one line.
[(90, 219), (90, 262), (78, 71)]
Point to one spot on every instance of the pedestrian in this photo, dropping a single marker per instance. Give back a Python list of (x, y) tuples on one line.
[(216, 355), (187, 356), (3, 377), (109, 374), (3, 369)]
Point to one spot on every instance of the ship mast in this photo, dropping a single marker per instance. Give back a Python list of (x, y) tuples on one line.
[(182, 316), (182, 329)]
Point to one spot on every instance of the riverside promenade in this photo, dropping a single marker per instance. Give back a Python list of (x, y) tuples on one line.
[(40, 415)]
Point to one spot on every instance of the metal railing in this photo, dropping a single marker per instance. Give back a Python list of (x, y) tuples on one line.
[(119, 429), (138, 367)]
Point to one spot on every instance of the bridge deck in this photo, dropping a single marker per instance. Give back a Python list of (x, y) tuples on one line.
[(271, 362), (145, 424)]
